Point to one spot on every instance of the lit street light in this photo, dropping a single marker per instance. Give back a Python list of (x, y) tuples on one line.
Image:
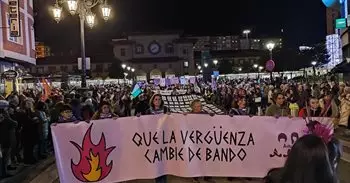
[(246, 33), (132, 70), (123, 66), (83, 9), (240, 69), (261, 68), (270, 46), (215, 62), (199, 67), (314, 63), (128, 68), (255, 66), (201, 71), (205, 65)]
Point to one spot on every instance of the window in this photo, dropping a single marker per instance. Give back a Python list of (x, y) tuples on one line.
[(122, 52), (64, 68), (186, 64), (99, 68), (75, 68), (40, 70), (52, 69), (18, 40), (32, 32), (169, 48), (185, 51), (139, 49)]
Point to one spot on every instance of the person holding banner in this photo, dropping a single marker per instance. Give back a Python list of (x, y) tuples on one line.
[(157, 107), (142, 105), (239, 108), (104, 112), (66, 114), (313, 108), (196, 108), (278, 108)]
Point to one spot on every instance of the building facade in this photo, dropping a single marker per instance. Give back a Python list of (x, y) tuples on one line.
[(42, 50), (218, 43), (16, 51), (331, 15), (156, 55), (99, 67)]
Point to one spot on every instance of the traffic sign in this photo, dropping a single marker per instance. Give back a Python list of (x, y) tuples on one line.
[(340, 23)]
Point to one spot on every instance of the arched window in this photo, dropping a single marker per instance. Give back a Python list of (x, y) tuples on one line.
[(169, 48), (139, 49)]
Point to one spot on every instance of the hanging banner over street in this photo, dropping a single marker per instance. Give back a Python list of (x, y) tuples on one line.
[(190, 145), (14, 18)]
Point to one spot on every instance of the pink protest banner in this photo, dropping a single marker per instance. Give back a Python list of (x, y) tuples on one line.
[(182, 145)]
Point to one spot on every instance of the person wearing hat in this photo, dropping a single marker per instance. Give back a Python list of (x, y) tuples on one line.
[(66, 114)]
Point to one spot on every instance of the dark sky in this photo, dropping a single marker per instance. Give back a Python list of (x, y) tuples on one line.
[(303, 22)]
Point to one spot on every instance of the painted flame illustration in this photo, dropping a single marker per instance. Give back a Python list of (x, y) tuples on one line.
[(92, 166)]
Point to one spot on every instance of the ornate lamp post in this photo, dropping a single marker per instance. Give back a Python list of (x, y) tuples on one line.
[(83, 9), (270, 46)]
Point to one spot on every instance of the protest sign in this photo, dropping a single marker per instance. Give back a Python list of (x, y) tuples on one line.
[(182, 145), (181, 103)]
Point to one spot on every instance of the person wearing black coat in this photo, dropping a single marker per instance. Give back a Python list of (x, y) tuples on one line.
[(7, 140), (141, 106)]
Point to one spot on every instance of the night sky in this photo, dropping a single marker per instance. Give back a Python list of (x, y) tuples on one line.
[(303, 21)]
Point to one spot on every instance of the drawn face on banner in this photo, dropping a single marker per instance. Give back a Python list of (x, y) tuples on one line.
[(92, 166), (286, 141)]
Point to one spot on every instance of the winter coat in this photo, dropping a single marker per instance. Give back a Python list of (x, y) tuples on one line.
[(344, 111), (8, 133), (275, 110)]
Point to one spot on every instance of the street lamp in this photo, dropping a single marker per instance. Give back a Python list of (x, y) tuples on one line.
[(132, 70), (199, 67), (205, 65), (123, 66), (128, 68), (270, 46), (240, 69), (83, 9), (215, 62), (255, 66), (246, 33), (314, 63)]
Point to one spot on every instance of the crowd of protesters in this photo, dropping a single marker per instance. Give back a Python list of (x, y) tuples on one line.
[(25, 117)]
